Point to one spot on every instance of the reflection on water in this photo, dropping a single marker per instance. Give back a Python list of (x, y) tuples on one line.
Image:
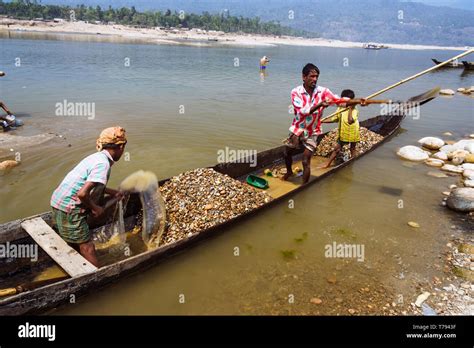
[(232, 106)]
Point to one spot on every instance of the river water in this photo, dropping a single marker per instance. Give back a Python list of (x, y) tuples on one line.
[(180, 105)]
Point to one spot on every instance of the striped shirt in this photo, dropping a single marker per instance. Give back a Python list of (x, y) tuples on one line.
[(348, 133), (93, 168), (305, 123)]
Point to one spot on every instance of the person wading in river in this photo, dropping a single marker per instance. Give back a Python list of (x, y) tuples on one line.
[(9, 121), (79, 193), (309, 101)]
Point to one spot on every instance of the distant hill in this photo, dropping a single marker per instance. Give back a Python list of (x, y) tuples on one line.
[(388, 21), (462, 4)]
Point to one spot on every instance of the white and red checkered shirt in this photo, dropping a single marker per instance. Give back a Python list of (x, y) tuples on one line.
[(304, 122), (93, 168)]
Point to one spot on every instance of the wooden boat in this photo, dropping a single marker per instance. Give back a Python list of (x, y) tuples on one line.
[(454, 64), (44, 295), (468, 65)]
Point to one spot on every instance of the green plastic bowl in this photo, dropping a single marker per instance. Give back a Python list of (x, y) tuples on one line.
[(257, 182)]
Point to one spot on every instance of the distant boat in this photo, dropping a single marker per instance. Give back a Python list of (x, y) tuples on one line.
[(212, 39), (468, 65), (454, 64), (373, 46)]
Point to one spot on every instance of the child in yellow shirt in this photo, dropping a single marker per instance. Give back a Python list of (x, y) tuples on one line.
[(348, 128)]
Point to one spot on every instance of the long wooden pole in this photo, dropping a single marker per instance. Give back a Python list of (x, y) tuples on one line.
[(410, 78)]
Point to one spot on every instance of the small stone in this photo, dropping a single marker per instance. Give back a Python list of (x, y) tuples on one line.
[(451, 187), (351, 311), (316, 301), (422, 298), (413, 224), (448, 134), (332, 279), (436, 174), (433, 162), (8, 164), (452, 169), (446, 193), (447, 92)]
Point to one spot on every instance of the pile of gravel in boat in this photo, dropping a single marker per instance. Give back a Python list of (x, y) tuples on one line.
[(328, 143), (203, 198)]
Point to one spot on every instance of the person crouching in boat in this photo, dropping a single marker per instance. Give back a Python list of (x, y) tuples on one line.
[(309, 101), (348, 127), (73, 201)]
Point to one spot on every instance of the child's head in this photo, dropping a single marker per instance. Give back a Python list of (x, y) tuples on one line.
[(348, 93)]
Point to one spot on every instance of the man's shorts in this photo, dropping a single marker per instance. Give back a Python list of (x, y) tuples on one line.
[(342, 143), (72, 227), (296, 142)]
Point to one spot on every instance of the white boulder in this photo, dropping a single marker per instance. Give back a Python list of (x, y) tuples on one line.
[(431, 143), (468, 174), (461, 144), (413, 153), (468, 166), (469, 147), (461, 199), (469, 183), (440, 155)]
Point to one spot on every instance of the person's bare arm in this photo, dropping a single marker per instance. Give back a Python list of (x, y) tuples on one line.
[(4, 107), (114, 193), (84, 196), (323, 104)]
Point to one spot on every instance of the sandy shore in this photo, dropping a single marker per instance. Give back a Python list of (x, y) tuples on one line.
[(193, 37)]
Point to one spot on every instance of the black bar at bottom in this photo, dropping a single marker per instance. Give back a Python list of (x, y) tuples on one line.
[(139, 330)]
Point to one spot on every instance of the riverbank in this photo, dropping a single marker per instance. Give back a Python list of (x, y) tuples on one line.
[(183, 36)]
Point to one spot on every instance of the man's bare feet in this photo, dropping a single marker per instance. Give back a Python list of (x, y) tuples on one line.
[(286, 176)]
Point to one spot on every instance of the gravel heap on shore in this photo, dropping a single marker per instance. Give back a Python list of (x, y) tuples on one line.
[(203, 198)]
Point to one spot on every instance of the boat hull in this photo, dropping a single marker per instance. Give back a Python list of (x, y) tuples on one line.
[(62, 292)]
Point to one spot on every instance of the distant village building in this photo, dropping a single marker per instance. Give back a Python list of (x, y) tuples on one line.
[(58, 20)]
